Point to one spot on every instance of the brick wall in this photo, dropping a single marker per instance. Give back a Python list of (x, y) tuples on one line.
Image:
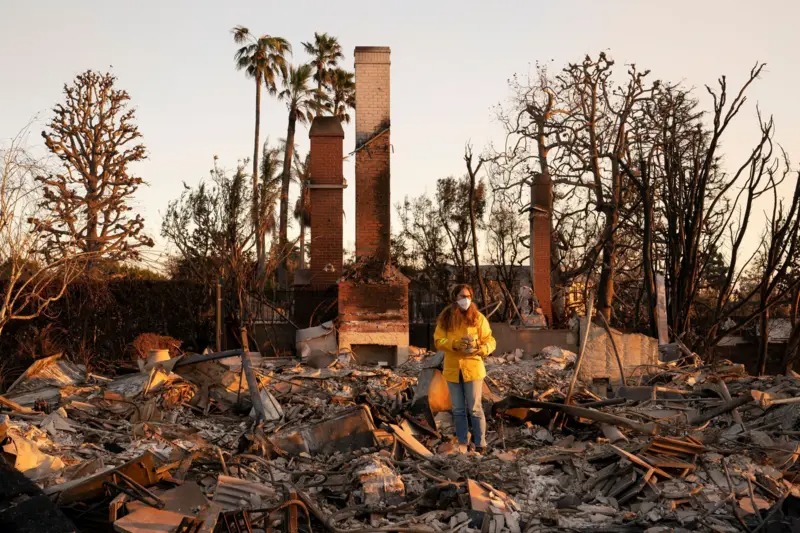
[(373, 202), (373, 313), (326, 135), (374, 301), (542, 224)]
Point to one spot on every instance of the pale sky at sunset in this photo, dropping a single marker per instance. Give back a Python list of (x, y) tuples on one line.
[(450, 63)]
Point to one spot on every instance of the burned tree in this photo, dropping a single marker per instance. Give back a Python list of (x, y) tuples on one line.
[(598, 147), (422, 240), (505, 233), (523, 169), (210, 228), (476, 202), (94, 135), (30, 280), (457, 200)]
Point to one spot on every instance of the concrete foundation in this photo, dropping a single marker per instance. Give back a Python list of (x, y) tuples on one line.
[(531, 341), (599, 361)]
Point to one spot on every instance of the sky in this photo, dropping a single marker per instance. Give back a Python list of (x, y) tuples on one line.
[(450, 64)]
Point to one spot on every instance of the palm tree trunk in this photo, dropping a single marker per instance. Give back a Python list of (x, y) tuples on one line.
[(257, 229), (284, 204), (302, 244)]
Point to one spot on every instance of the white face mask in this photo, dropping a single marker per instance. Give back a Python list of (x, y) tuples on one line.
[(464, 303)]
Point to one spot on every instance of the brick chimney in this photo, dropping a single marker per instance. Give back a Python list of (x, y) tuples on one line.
[(373, 204), (325, 189), (373, 297), (542, 230)]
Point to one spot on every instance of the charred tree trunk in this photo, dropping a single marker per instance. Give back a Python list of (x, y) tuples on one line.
[(605, 290), (473, 229), (647, 251), (257, 227), (286, 179)]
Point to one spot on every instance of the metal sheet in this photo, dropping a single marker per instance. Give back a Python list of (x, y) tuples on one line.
[(142, 470), (233, 493), (50, 371), (348, 431)]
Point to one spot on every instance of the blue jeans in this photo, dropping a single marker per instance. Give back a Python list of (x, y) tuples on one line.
[(466, 399)]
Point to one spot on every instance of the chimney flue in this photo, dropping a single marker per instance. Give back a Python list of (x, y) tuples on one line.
[(373, 202), (325, 190)]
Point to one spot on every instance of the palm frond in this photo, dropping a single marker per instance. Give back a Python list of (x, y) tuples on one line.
[(241, 34)]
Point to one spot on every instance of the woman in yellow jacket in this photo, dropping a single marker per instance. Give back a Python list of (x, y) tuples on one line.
[(464, 335)]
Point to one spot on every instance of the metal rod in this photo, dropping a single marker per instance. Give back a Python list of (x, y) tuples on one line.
[(579, 359)]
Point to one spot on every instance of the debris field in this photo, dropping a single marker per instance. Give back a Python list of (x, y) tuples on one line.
[(224, 442)]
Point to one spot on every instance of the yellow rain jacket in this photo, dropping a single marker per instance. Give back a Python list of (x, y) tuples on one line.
[(469, 364)]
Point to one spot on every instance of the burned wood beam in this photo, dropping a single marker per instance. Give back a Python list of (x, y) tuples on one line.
[(202, 358), (721, 410), (576, 411)]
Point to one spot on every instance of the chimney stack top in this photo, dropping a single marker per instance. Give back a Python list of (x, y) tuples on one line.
[(326, 127), (372, 54)]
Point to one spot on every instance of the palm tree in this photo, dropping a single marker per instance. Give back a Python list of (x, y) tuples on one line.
[(325, 54), (343, 89), (302, 209), (270, 186), (301, 101), (262, 59)]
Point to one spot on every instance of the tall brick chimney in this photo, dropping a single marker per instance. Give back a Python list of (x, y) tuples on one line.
[(373, 297), (541, 222), (325, 189), (373, 204)]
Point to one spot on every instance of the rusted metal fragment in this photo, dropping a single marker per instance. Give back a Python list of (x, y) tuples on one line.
[(142, 470), (149, 520), (233, 493), (186, 499), (348, 431)]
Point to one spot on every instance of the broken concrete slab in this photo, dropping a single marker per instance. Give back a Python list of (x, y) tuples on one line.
[(485, 502), (635, 351), (379, 354), (317, 341), (347, 431)]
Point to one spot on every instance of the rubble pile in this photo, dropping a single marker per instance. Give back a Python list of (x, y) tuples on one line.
[(231, 442)]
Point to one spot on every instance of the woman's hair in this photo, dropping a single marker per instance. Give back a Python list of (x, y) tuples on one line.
[(453, 317)]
